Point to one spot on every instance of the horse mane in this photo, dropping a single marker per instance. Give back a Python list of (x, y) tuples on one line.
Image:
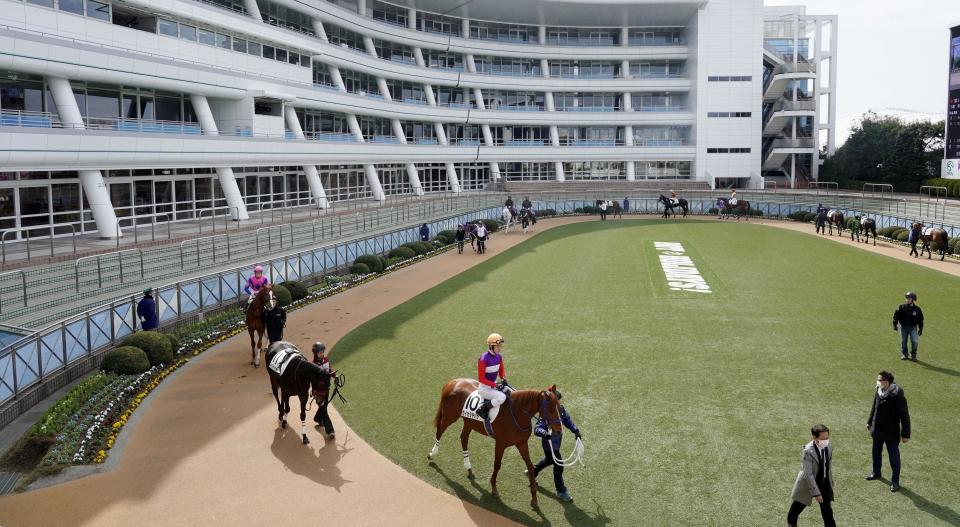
[(523, 397), (260, 298)]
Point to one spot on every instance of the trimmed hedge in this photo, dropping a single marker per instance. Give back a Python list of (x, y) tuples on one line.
[(493, 225), (887, 231), (586, 209), (125, 360), (954, 244), (417, 247), (359, 268), (156, 345), (439, 244), (402, 252), (394, 260), (372, 261), (174, 341), (297, 290), (451, 235), (544, 213), (799, 215), (953, 185), (902, 235), (284, 297)]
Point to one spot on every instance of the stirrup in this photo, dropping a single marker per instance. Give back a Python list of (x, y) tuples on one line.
[(487, 426)]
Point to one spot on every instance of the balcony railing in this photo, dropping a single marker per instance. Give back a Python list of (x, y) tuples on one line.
[(384, 139), (581, 42), (639, 108), (588, 109), (510, 108), (337, 137), (28, 119), (639, 141)]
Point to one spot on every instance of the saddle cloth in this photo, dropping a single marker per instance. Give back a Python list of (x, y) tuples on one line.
[(831, 213), (927, 231), (473, 403), (733, 201), (674, 201), (863, 222), (283, 358)]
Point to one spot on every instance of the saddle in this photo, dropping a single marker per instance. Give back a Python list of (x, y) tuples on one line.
[(473, 403), (863, 222), (284, 356), (928, 231), (674, 201)]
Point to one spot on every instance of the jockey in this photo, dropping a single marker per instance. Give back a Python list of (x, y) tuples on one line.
[(489, 366), (673, 198), (255, 283), (733, 197), (509, 203), (527, 205)]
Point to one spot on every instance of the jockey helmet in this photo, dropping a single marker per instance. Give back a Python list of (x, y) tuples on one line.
[(319, 347), (494, 339), (258, 269), (911, 294)]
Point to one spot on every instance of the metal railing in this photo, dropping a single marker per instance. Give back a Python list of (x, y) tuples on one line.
[(213, 247), (99, 258), (52, 227), (23, 285)]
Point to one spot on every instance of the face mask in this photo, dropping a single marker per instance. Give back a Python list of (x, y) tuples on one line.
[(824, 444)]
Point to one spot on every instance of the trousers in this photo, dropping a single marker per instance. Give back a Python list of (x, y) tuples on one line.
[(495, 396), (893, 452), (826, 511)]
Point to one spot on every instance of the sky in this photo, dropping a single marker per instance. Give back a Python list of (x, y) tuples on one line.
[(890, 53)]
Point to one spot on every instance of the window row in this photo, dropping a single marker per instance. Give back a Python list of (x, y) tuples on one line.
[(193, 33), (727, 78), (728, 150), (729, 114), (99, 9)]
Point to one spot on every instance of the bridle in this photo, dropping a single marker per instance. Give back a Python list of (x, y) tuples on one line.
[(544, 412)]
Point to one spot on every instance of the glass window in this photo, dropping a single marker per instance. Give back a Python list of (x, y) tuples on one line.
[(44, 3), (305, 61), (269, 52), (223, 41), (293, 58), (66, 198), (128, 106), (72, 6), (240, 45), (254, 48), (188, 32), (99, 10), (168, 109), (281, 55), (168, 27), (147, 108), (206, 37), (103, 104)]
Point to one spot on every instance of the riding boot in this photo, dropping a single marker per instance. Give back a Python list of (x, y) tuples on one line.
[(484, 410)]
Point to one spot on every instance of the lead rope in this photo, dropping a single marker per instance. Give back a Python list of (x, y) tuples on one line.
[(575, 457)]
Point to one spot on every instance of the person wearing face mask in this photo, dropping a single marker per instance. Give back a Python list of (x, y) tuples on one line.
[(815, 480), (889, 424)]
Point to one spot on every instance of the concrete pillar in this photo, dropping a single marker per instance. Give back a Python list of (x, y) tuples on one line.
[(628, 135), (452, 178), (631, 170), (470, 62), (94, 189), (412, 18), (337, 78), (548, 100), (545, 68), (398, 130), (313, 176), (384, 90), (369, 45), (624, 36), (627, 102), (253, 9), (428, 91), (441, 134), (354, 126), (625, 69), (478, 98), (465, 27), (373, 180), (418, 57), (319, 30), (362, 7), (554, 136), (558, 169), (487, 136), (414, 177), (542, 35), (228, 182)]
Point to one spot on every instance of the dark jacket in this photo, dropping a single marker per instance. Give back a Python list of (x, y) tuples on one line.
[(147, 312), (914, 235), (889, 416), (424, 233), (508, 203), (626, 205), (907, 315), (542, 430), (275, 320), (526, 204), (460, 235)]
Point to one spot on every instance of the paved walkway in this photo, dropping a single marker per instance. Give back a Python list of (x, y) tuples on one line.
[(207, 449)]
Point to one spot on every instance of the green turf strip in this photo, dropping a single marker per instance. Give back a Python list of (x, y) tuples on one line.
[(694, 407)]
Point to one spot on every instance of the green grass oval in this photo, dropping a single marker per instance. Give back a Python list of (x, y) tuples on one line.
[(694, 407)]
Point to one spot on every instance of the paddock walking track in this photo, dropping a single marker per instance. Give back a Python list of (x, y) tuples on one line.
[(206, 448)]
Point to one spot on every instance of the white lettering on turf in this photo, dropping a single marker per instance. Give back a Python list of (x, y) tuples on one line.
[(681, 272)]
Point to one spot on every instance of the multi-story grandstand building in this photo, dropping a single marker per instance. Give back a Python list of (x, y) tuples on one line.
[(122, 109)]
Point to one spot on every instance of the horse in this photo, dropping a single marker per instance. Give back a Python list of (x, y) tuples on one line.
[(478, 244), (936, 235), (617, 211), (292, 374), (510, 218), (512, 428), (868, 226), (835, 217), (527, 219), (255, 321), (741, 207), (668, 205)]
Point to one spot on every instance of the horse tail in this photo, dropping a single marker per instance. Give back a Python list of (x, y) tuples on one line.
[(438, 418)]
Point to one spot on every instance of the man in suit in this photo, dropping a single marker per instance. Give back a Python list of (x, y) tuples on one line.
[(815, 480), (888, 424)]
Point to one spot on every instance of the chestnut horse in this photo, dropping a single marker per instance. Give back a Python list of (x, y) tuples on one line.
[(933, 234), (511, 428), (255, 321)]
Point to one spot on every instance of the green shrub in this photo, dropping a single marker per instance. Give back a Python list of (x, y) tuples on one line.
[(126, 360), (887, 231), (451, 235), (444, 239), (755, 212), (283, 295), (394, 260), (896, 233), (359, 268), (28, 451), (439, 244), (425, 246), (712, 210), (372, 261), (297, 290), (954, 244), (799, 215), (809, 217), (545, 213), (589, 209), (402, 253), (417, 247), (155, 345), (174, 341), (903, 235)]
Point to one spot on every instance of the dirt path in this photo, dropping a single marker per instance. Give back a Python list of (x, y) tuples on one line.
[(197, 454)]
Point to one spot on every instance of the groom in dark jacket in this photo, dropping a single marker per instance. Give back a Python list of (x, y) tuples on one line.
[(889, 424)]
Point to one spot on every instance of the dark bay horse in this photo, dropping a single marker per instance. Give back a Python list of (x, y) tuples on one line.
[(527, 219), (512, 428), (835, 217), (299, 377), (868, 226), (668, 206), (741, 208), (255, 321), (936, 235)]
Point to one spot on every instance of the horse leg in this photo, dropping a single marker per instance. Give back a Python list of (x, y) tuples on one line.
[(256, 353), (275, 387), (442, 425), (284, 407), (253, 349), (498, 458), (464, 440), (525, 454), (303, 418)]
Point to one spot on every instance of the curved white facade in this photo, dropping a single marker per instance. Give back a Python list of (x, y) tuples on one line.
[(242, 105)]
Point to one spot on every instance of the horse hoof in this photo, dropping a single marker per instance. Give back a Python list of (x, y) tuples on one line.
[(534, 504), (283, 424), (430, 456), (470, 476), (495, 493), (306, 440)]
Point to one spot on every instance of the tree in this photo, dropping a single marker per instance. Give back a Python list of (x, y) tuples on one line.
[(887, 150)]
